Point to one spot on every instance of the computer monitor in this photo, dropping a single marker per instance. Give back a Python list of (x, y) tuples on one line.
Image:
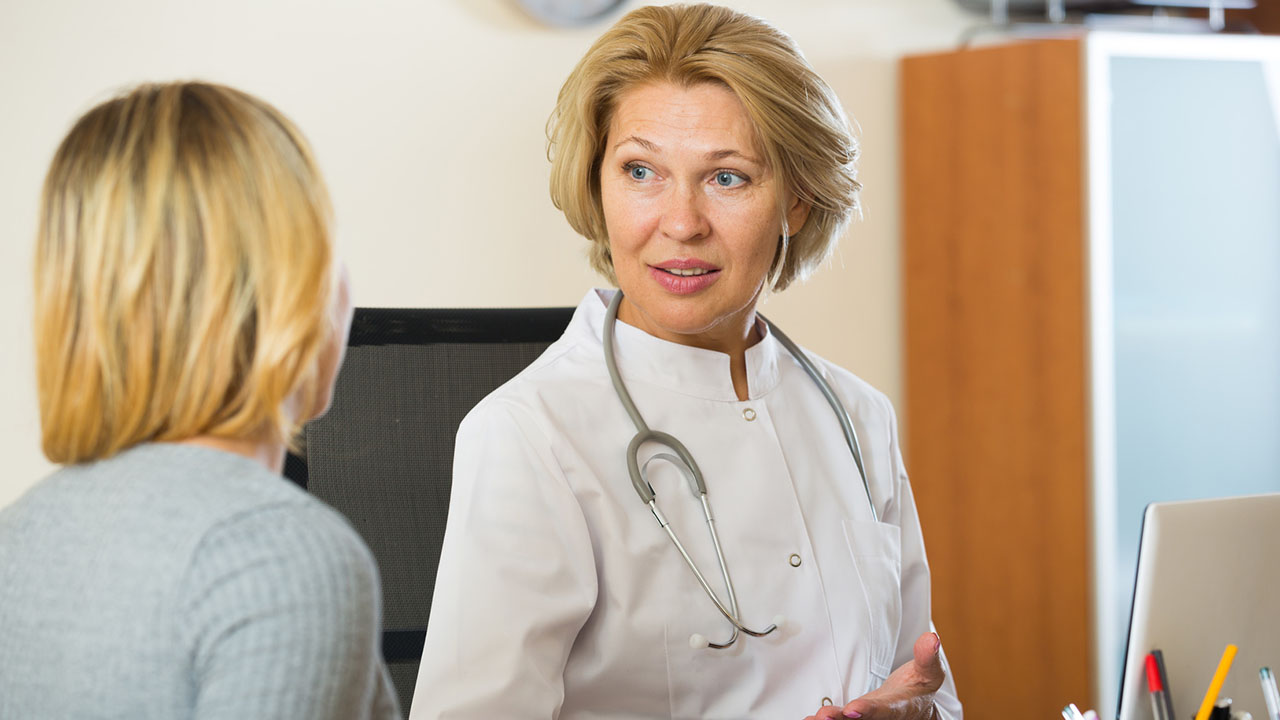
[(1208, 575)]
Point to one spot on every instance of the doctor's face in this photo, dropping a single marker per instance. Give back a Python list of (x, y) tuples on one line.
[(692, 213)]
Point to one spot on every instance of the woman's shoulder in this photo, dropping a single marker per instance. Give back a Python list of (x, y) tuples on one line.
[(565, 374), (274, 550), (300, 549), (184, 488), (243, 514), (285, 579), (569, 368), (202, 540), (201, 486), (178, 504)]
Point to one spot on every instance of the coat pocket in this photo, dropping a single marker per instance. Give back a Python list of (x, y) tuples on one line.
[(876, 550)]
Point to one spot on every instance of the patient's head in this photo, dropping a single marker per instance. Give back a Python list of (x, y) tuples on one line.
[(184, 275)]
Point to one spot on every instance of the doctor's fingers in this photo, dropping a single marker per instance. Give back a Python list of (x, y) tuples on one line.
[(923, 675), (828, 712), (919, 707), (927, 658), (908, 691)]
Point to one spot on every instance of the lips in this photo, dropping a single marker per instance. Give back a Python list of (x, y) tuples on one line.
[(684, 276)]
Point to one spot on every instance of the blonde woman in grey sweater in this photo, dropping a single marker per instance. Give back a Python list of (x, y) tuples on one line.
[(190, 317)]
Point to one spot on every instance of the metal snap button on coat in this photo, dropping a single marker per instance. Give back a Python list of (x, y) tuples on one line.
[(826, 701), (795, 560), (748, 414)]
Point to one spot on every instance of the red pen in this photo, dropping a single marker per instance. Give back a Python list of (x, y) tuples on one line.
[(1159, 695)]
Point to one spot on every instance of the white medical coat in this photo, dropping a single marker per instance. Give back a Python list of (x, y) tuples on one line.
[(558, 595)]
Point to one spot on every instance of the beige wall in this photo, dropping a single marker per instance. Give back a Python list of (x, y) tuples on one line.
[(427, 116)]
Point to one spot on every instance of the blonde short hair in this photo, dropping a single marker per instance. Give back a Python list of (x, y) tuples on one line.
[(803, 131), (183, 273)]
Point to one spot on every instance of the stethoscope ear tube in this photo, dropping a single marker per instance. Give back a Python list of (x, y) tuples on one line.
[(611, 319), (846, 423)]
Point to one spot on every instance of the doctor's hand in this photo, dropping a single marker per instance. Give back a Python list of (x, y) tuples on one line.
[(907, 694)]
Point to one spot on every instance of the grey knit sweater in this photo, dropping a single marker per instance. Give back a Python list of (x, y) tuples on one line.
[(173, 582)]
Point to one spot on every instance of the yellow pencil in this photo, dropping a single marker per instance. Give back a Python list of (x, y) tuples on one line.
[(1219, 677)]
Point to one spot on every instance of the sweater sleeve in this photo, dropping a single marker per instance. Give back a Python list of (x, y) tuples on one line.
[(282, 616)]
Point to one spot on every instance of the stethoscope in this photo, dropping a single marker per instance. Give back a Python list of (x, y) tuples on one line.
[(684, 461)]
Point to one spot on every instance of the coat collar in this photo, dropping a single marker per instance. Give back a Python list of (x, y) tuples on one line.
[(693, 371)]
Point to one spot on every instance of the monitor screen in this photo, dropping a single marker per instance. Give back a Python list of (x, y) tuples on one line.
[(1208, 576)]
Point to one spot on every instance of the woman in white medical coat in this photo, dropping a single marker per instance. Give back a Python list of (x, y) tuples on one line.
[(705, 161)]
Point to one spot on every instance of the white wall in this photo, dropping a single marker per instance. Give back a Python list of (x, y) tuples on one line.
[(428, 116)]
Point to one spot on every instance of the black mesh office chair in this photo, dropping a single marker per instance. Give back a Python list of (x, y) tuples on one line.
[(383, 455)]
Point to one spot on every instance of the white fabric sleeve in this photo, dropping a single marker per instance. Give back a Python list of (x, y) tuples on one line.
[(282, 618), (917, 616), (517, 577)]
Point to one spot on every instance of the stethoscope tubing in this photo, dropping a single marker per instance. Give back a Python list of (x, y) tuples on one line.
[(846, 423), (687, 465)]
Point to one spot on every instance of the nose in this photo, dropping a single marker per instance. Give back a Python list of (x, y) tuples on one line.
[(684, 216)]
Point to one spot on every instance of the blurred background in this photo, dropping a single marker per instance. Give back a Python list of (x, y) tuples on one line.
[(428, 118), (966, 292)]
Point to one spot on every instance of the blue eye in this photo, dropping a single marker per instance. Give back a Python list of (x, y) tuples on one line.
[(639, 172), (727, 179)]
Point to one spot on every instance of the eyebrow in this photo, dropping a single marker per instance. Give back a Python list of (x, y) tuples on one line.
[(713, 155), (639, 141)]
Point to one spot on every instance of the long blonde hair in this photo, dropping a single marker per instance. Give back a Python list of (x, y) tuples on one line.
[(183, 273), (803, 129)]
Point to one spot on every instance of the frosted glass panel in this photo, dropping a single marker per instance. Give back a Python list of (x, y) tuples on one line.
[(1196, 237)]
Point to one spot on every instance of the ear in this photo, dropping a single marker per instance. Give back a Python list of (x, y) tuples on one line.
[(797, 214), (329, 361)]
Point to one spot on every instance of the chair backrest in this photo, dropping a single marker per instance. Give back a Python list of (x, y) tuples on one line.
[(383, 454)]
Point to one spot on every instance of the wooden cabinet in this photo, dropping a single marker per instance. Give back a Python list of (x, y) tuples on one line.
[(1092, 306)]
